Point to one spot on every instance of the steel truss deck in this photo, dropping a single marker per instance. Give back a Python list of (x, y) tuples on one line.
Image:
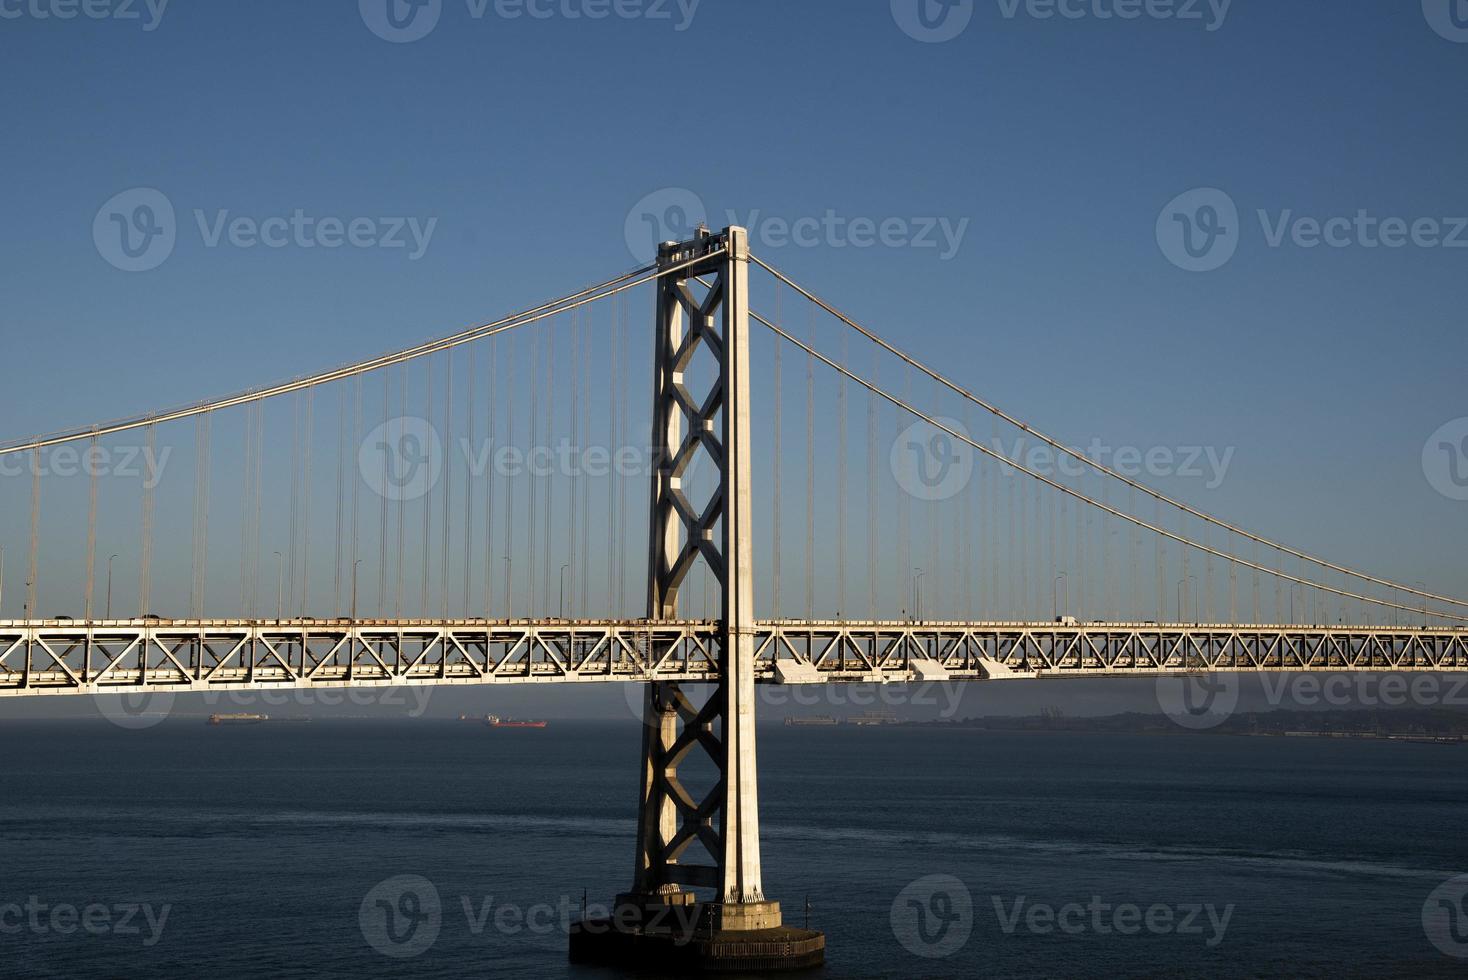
[(64, 657)]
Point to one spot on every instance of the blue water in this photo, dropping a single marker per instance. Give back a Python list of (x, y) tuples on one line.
[(262, 843)]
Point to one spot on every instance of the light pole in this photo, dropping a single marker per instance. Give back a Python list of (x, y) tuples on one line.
[(109, 586), (25, 607), (279, 585), (355, 565), (563, 590), (1293, 587), (1423, 586), (1054, 590), (509, 577), (917, 583)]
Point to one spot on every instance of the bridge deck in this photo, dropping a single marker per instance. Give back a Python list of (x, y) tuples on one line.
[(116, 656)]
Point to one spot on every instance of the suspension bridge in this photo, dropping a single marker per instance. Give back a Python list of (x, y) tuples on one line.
[(476, 510)]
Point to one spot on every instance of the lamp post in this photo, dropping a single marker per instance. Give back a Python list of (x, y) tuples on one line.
[(279, 585), (1054, 590), (563, 591), (917, 583), (509, 578), (109, 586), (1423, 586), (1293, 587), (355, 566)]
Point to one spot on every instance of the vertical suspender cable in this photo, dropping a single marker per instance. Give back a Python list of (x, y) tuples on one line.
[(572, 530), (382, 495), (547, 483), (841, 488), (92, 474), (489, 478), (872, 493), (448, 478), (426, 547), (146, 580), (471, 460), (532, 488), (509, 478), (777, 532), (33, 566), (614, 476), (307, 451), (585, 577), (810, 474)]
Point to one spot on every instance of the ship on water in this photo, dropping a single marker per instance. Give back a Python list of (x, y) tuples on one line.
[(238, 718), (495, 721)]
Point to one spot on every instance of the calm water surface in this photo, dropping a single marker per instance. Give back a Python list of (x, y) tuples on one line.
[(263, 842)]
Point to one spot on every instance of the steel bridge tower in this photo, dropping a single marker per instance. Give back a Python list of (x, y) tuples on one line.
[(703, 302)]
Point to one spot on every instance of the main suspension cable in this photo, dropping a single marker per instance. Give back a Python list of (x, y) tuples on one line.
[(1095, 464), (1155, 528)]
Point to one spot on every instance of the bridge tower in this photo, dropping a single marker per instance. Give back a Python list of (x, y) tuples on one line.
[(703, 303)]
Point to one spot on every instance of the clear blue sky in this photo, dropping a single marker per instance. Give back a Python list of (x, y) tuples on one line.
[(1057, 141)]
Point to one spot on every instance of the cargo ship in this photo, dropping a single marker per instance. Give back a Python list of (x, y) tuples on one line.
[(495, 721), (239, 718), (814, 721)]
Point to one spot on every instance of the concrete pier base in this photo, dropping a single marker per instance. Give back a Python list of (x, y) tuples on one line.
[(682, 937)]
